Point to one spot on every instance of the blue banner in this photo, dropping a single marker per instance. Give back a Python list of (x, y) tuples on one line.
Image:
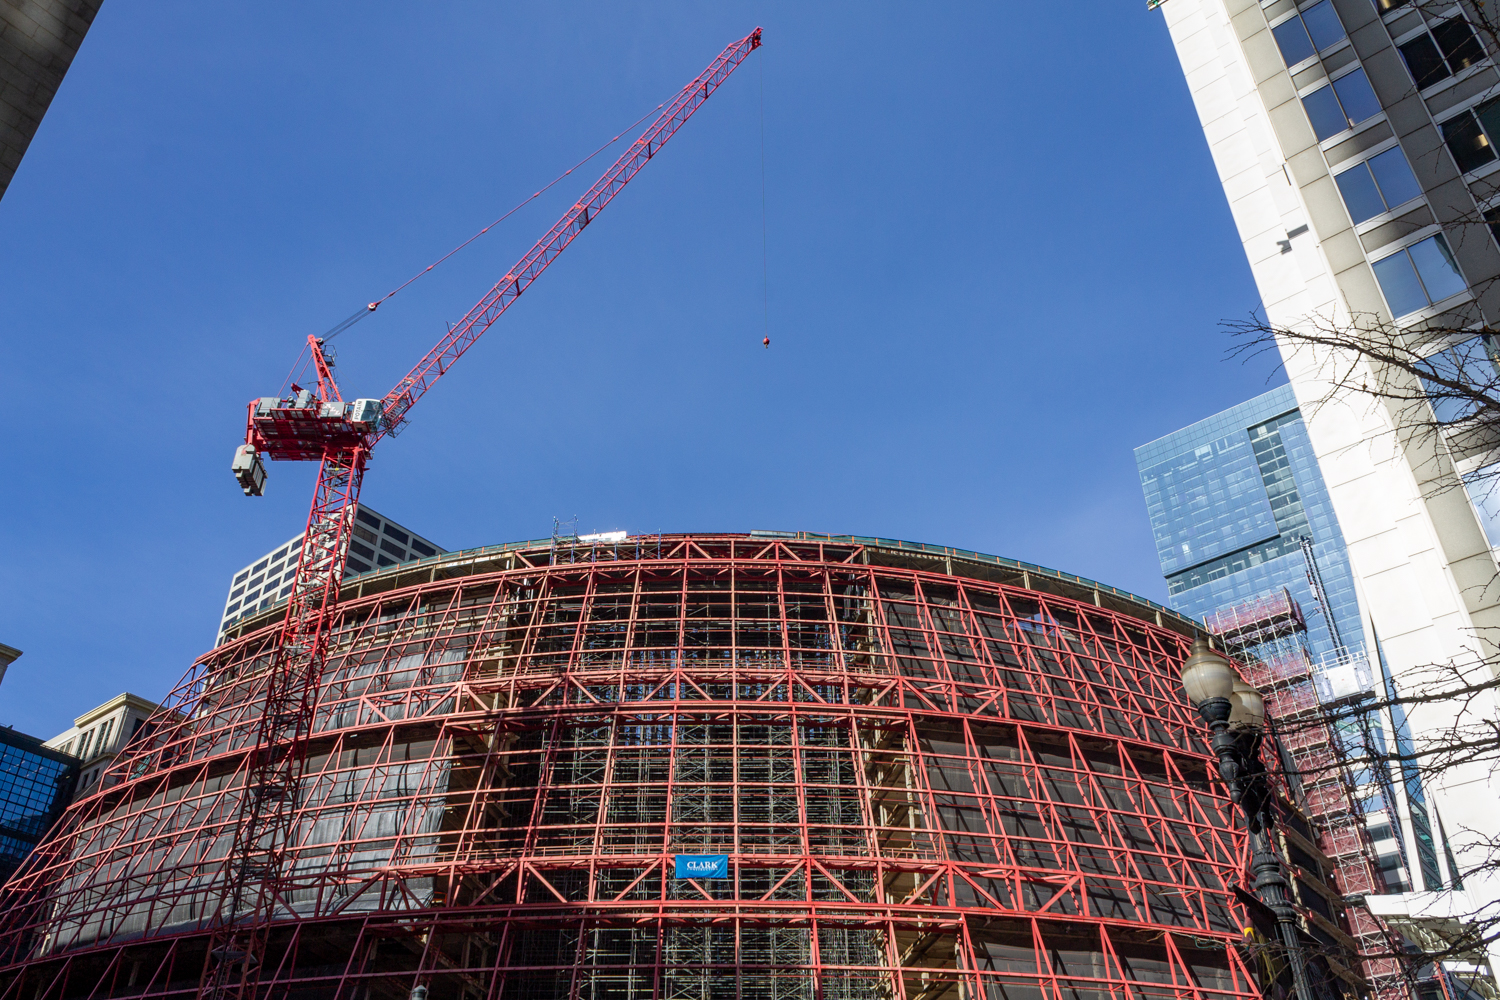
[(702, 866)]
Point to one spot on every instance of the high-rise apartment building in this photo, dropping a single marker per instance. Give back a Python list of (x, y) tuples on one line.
[(1356, 141), (1241, 516), (378, 542)]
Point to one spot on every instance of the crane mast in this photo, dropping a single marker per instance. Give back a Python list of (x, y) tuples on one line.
[(317, 424)]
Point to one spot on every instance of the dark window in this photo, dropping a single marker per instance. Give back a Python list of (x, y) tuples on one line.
[(1467, 142), (238, 591), (278, 556), (256, 582), (366, 534), (363, 550), (362, 567), (285, 590), (232, 608), (1424, 62), (1471, 135), (1341, 105), (1460, 48), (1493, 218), (1450, 49), (1377, 185), (397, 533), (385, 561), (393, 549), (1384, 6), (242, 576), (261, 565), (250, 597), (368, 518), (426, 550)]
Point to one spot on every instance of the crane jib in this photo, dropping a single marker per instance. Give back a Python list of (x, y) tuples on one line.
[(489, 309)]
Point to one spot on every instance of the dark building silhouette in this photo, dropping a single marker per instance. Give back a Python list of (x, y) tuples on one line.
[(38, 40)]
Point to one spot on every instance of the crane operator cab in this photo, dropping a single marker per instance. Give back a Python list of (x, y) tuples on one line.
[(301, 427)]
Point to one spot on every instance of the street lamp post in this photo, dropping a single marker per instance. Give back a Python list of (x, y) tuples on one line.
[(1235, 714)]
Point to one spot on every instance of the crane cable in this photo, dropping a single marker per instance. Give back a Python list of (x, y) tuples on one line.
[(765, 269), (371, 307)]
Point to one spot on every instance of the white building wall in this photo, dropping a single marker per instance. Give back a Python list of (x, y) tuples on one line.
[(1414, 588)]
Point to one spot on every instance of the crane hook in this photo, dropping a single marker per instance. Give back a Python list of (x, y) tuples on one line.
[(765, 342)]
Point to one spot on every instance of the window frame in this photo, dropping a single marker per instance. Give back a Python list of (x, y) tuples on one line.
[(1405, 246), (1317, 53), (1329, 83), (1470, 108), (1391, 211), (1429, 30)]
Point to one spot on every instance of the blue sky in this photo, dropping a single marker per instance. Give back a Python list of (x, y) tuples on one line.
[(997, 257)]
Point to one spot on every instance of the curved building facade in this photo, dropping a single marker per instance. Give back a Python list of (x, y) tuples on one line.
[(930, 774)]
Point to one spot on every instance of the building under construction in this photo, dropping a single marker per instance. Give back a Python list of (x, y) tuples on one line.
[(916, 772)]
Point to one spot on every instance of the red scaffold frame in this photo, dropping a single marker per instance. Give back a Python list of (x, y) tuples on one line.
[(930, 777)]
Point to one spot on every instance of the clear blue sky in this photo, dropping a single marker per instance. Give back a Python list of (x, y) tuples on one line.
[(997, 254)]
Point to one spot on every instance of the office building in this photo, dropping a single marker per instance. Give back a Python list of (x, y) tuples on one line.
[(378, 542), (1354, 142), (36, 784), (1232, 501), (1240, 513), (98, 735), (765, 765)]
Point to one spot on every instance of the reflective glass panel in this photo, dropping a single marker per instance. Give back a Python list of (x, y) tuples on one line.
[(1483, 487), (1437, 267), (1394, 176), (1323, 24), (1398, 280), (1291, 38), (1324, 112), (1361, 196), (1357, 97)]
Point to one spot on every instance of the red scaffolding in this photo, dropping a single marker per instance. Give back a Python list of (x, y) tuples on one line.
[(932, 777)]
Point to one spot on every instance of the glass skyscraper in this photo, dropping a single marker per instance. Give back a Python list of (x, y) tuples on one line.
[(1231, 500), (36, 783), (1239, 511)]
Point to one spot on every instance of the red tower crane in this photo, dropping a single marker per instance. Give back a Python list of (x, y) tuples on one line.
[(319, 425)]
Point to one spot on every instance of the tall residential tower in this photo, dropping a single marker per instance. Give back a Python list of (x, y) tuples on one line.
[(1356, 143)]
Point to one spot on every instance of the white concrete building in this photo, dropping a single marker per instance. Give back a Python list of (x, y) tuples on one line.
[(99, 734), (1353, 141), (378, 542)]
